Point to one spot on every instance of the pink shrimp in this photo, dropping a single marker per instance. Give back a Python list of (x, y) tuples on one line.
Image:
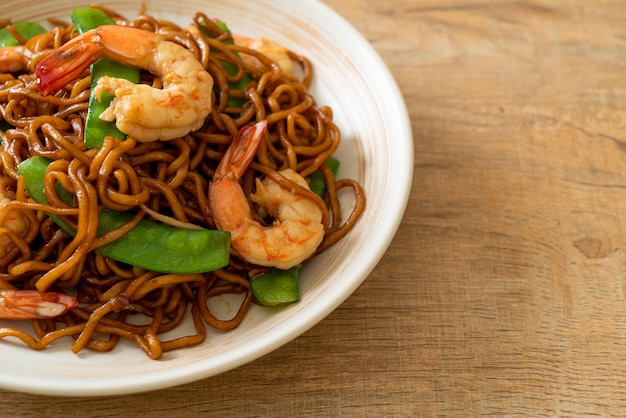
[(13, 58), (25, 304), (32, 304), (139, 110), (276, 52), (298, 229)]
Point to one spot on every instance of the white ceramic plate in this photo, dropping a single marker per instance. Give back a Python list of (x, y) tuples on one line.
[(377, 149)]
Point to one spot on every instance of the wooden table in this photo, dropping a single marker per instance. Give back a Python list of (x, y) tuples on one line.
[(504, 291)]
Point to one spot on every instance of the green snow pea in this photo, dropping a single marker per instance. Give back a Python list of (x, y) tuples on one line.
[(85, 19), (26, 29), (149, 245), (276, 287), (317, 184), (232, 70)]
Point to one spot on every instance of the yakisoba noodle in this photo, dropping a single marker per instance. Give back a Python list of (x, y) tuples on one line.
[(174, 174)]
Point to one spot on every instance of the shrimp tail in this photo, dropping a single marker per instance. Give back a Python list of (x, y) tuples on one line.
[(12, 59), (241, 151), (66, 64), (32, 304), (128, 46), (227, 200)]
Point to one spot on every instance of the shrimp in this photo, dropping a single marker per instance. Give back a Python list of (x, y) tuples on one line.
[(140, 111), (13, 58), (14, 222), (298, 229), (276, 52), (26, 304), (32, 304)]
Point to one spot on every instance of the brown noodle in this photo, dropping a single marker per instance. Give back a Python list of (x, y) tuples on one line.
[(169, 178)]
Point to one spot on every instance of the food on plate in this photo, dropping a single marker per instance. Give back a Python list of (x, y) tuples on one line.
[(32, 304), (299, 227), (146, 168), (140, 111)]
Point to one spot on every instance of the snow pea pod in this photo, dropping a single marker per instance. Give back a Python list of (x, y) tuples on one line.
[(85, 19), (276, 287), (149, 245), (232, 70), (26, 29), (317, 184)]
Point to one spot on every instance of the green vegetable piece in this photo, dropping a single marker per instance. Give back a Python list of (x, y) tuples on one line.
[(237, 85), (149, 245), (317, 184), (88, 18), (158, 247), (26, 29), (4, 126), (85, 19), (223, 26), (276, 287), (33, 170), (232, 70)]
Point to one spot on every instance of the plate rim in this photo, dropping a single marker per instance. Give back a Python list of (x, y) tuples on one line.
[(402, 163)]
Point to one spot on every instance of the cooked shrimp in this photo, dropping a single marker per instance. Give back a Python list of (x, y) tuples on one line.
[(13, 58), (276, 52), (140, 111), (32, 304), (298, 229), (14, 222)]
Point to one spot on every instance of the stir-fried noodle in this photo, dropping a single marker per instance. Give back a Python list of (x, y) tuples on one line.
[(167, 179)]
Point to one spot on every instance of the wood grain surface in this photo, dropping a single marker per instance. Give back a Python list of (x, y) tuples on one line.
[(504, 291)]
